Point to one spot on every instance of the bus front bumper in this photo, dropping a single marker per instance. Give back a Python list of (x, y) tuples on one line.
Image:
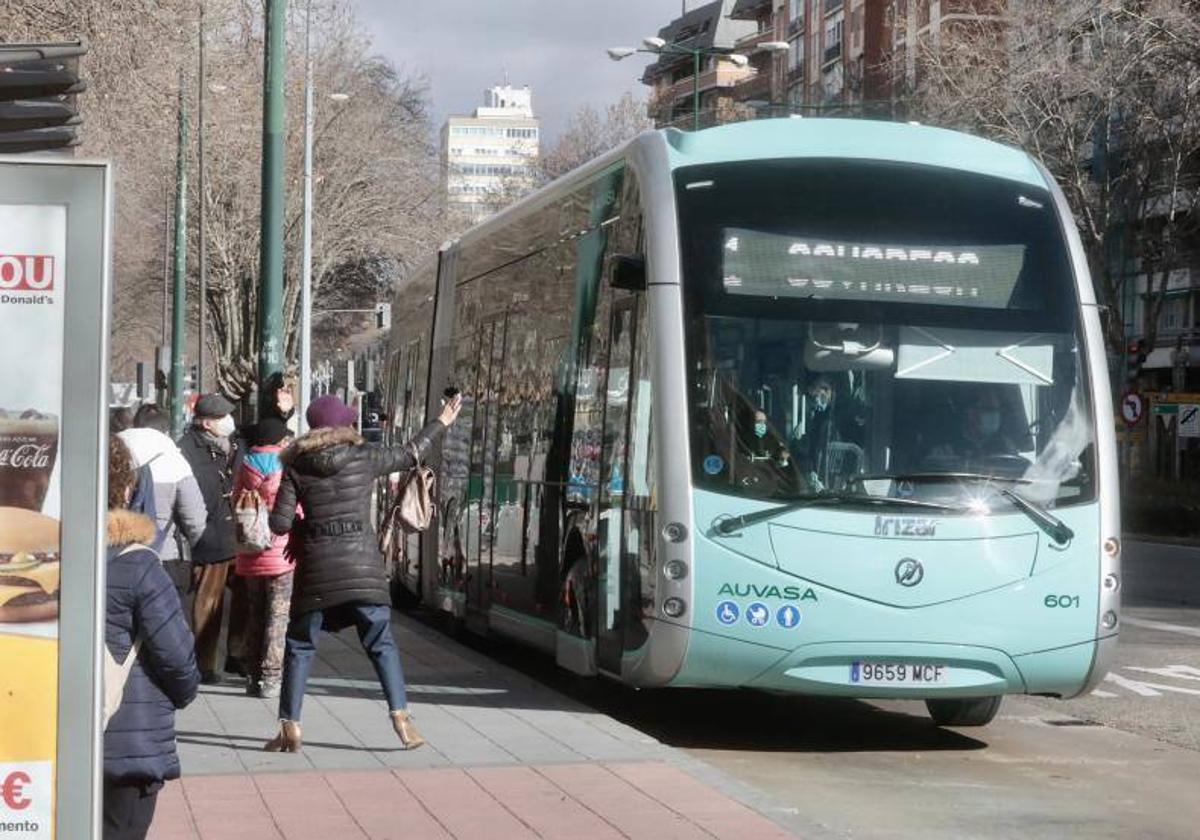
[(836, 669)]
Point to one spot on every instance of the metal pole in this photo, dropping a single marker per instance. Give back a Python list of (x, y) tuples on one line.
[(179, 320), (270, 295), (306, 268), (166, 268), (695, 90), (203, 228)]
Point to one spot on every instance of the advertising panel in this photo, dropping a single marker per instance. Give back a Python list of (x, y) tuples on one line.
[(32, 285)]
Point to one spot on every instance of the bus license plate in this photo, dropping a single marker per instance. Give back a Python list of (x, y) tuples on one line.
[(897, 673)]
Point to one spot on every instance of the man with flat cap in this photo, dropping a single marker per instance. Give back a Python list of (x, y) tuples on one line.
[(214, 453)]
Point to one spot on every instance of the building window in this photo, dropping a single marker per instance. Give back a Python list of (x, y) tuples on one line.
[(1173, 315), (833, 38)]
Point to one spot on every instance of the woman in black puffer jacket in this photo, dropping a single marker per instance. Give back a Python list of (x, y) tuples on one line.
[(139, 742), (330, 474)]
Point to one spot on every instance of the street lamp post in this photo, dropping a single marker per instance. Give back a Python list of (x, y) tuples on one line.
[(270, 293), (659, 46), (200, 167), (306, 259), (306, 374)]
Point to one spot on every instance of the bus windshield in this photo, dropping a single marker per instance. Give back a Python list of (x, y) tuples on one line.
[(863, 328)]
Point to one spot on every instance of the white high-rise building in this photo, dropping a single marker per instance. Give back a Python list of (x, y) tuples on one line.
[(490, 156)]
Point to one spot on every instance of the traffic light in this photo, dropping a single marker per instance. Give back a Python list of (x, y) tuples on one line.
[(38, 86), (1135, 357)]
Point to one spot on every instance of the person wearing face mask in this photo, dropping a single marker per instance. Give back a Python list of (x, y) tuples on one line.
[(982, 433), (979, 436), (766, 447), (820, 430), (215, 456)]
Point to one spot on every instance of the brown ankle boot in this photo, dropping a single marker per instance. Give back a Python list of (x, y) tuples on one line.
[(409, 736), (288, 739)]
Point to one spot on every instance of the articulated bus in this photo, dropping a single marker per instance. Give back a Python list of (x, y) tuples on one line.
[(807, 406)]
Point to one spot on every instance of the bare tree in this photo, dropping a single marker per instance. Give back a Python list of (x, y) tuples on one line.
[(376, 207), (375, 184), (591, 133), (1107, 95)]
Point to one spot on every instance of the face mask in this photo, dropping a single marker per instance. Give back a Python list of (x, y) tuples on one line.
[(989, 422), (224, 427), (760, 429), (821, 401)]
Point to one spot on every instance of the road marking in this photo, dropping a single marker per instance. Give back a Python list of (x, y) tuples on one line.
[(1133, 685), (1163, 626), (1101, 693), (1147, 689), (1179, 672)]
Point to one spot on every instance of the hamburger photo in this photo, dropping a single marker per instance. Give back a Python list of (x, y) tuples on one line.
[(29, 566)]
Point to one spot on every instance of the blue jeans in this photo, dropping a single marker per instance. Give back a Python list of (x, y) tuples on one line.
[(373, 622)]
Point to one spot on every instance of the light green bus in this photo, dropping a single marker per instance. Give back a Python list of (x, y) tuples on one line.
[(811, 406)]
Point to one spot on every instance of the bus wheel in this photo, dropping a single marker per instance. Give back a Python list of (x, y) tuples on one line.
[(964, 711)]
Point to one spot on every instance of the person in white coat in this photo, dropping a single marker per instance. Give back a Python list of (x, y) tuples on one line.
[(179, 504)]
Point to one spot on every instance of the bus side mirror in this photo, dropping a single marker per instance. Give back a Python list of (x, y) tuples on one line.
[(629, 272)]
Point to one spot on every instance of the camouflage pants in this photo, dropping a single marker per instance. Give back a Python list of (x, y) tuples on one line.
[(270, 599)]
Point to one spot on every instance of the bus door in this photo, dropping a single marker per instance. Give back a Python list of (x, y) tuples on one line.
[(611, 599)]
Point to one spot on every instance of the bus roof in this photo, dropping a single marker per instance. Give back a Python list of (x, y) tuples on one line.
[(846, 138)]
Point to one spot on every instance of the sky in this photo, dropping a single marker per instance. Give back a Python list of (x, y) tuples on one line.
[(556, 47)]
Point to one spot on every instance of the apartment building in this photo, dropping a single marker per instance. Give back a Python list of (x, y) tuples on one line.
[(721, 83), (489, 157)]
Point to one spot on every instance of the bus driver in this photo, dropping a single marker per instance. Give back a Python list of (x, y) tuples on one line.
[(980, 435)]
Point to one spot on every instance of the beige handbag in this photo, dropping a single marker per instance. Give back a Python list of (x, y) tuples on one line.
[(413, 510)]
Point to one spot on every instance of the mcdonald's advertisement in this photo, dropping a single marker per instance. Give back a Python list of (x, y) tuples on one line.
[(32, 280)]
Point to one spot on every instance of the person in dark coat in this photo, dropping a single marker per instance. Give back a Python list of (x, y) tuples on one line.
[(214, 454), (339, 577), (139, 742)]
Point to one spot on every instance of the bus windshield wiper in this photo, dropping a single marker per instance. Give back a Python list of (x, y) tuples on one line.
[(1058, 530), (737, 523)]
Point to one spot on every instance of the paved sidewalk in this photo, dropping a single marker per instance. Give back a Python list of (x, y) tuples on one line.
[(506, 758)]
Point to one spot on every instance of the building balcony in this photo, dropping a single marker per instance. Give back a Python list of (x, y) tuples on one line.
[(725, 75), (757, 86), (832, 6), (832, 53), (795, 75), (748, 43), (795, 26)]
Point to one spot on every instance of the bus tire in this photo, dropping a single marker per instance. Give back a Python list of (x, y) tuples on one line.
[(964, 711)]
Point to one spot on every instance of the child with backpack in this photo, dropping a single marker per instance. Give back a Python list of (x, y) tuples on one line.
[(263, 559)]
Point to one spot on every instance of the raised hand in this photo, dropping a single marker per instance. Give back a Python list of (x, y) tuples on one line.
[(450, 410)]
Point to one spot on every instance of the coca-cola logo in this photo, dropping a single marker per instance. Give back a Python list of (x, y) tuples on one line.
[(25, 273), (30, 456)]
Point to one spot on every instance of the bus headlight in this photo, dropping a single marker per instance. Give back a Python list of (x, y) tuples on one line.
[(675, 532), (674, 607), (1108, 621), (675, 569)]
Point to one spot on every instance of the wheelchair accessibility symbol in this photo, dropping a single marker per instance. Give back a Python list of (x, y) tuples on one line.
[(727, 613)]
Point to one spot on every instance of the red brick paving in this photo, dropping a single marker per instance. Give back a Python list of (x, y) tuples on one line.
[(641, 801)]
